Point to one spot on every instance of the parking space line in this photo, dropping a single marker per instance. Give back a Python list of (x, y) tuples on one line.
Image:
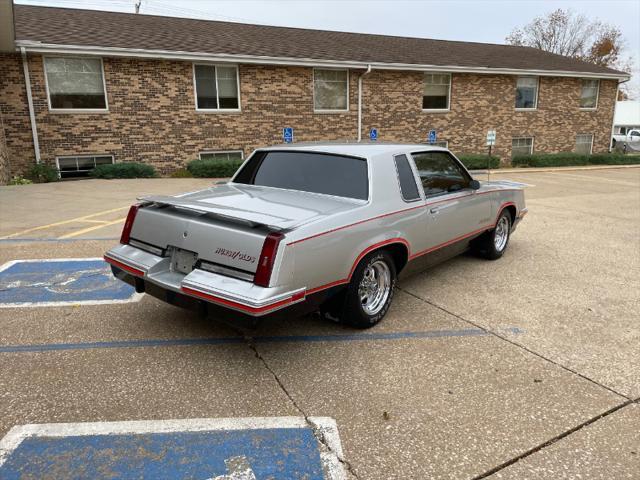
[(63, 222), (61, 240), (178, 342), (91, 229)]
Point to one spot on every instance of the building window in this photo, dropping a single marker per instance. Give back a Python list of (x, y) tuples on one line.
[(584, 143), (527, 92), (330, 90), (216, 87), (81, 166), (75, 83), (226, 156), (521, 146), (437, 89), (589, 93)]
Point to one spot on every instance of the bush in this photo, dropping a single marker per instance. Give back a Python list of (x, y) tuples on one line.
[(476, 161), (124, 170), (41, 173), (181, 173), (570, 159), (20, 180), (213, 168)]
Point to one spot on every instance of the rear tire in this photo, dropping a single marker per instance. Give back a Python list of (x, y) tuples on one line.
[(368, 296), (492, 244)]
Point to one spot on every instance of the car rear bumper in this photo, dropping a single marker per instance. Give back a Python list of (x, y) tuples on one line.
[(149, 272)]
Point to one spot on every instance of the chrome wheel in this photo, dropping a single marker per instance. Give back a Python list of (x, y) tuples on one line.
[(375, 287), (501, 234)]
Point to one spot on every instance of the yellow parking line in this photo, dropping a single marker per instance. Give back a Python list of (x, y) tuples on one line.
[(93, 221), (91, 229), (64, 222)]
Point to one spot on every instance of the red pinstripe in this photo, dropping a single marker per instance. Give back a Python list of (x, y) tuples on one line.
[(424, 205), (239, 306), (124, 266), (406, 244)]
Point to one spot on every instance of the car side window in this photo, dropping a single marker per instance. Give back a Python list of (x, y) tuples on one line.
[(440, 173), (408, 186)]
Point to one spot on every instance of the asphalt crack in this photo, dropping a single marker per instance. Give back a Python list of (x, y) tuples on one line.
[(512, 342), (317, 432), (553, 440)]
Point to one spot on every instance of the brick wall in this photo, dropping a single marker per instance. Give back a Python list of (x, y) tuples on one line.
[(152, 117), (15, 114), (5, 173), (483, 102)]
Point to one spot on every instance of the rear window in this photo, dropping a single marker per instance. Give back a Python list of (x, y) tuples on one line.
[(329, 174)]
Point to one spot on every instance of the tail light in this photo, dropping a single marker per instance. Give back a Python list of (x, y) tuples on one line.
[(267, 259), (128, 224)]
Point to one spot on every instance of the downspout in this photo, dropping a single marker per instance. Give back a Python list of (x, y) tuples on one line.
[(32, 115), (360, 101), (615, 106)]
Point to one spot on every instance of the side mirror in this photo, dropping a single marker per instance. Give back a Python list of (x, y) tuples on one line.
[(474, 184), (222, 182)]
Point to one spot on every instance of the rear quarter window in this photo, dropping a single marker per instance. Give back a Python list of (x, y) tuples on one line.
[(408, 186), (329, 174)]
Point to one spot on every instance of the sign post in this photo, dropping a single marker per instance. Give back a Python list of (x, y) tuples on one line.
[(491, 141)]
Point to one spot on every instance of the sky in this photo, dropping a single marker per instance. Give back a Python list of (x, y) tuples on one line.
[(488, 21)]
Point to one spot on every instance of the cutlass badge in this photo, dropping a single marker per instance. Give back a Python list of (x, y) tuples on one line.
[(235, 254)]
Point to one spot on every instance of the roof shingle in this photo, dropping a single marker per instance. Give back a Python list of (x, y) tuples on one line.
[(64, 26)]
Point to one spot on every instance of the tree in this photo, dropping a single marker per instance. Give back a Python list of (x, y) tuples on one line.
[(572, 35)]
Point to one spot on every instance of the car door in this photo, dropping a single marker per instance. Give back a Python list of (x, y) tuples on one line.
[(455, 211)]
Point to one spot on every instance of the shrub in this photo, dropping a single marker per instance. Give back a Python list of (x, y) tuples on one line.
[(20, 180), (213, 168), (570, 159), (476, 161), (181, 173), (42, 173), (124, 170)]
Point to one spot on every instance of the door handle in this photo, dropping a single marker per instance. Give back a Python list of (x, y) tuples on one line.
[(439, 208)]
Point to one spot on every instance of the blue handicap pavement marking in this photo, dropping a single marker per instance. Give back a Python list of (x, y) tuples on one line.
[(198, 449), (61, 281)]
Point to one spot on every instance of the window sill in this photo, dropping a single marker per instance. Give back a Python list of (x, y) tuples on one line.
[(588, 109), (218, 110), (436, 110), (87, 111), (330, 112), (526, 109)]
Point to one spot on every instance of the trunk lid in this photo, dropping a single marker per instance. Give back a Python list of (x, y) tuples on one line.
[(227, 224)]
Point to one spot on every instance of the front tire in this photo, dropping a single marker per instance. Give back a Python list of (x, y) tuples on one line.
[(492, 244), (370, 292)]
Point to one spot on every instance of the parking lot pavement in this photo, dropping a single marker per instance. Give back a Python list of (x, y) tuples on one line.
[(609, 448), (521, 368), (79, 209)]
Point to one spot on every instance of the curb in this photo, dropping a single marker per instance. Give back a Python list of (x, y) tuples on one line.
[(555, 169)]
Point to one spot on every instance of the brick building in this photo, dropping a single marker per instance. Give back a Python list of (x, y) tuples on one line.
[(120, 87)]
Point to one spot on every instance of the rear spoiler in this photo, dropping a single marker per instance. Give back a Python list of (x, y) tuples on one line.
[(236, 215)]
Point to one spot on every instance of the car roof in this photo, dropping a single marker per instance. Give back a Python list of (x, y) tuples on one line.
[(363, 149)]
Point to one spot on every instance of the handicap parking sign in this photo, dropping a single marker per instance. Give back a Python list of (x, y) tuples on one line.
[(287, 134), (63, 281), (200, 449), (373, 134), (432, 136)]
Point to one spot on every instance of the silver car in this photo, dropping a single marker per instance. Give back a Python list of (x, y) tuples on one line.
[(318, 226)]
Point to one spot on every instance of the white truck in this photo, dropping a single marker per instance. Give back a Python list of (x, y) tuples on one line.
[(632, 136)]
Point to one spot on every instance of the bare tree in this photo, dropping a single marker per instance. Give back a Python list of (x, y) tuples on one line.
[(567, 33), (573, 35)]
